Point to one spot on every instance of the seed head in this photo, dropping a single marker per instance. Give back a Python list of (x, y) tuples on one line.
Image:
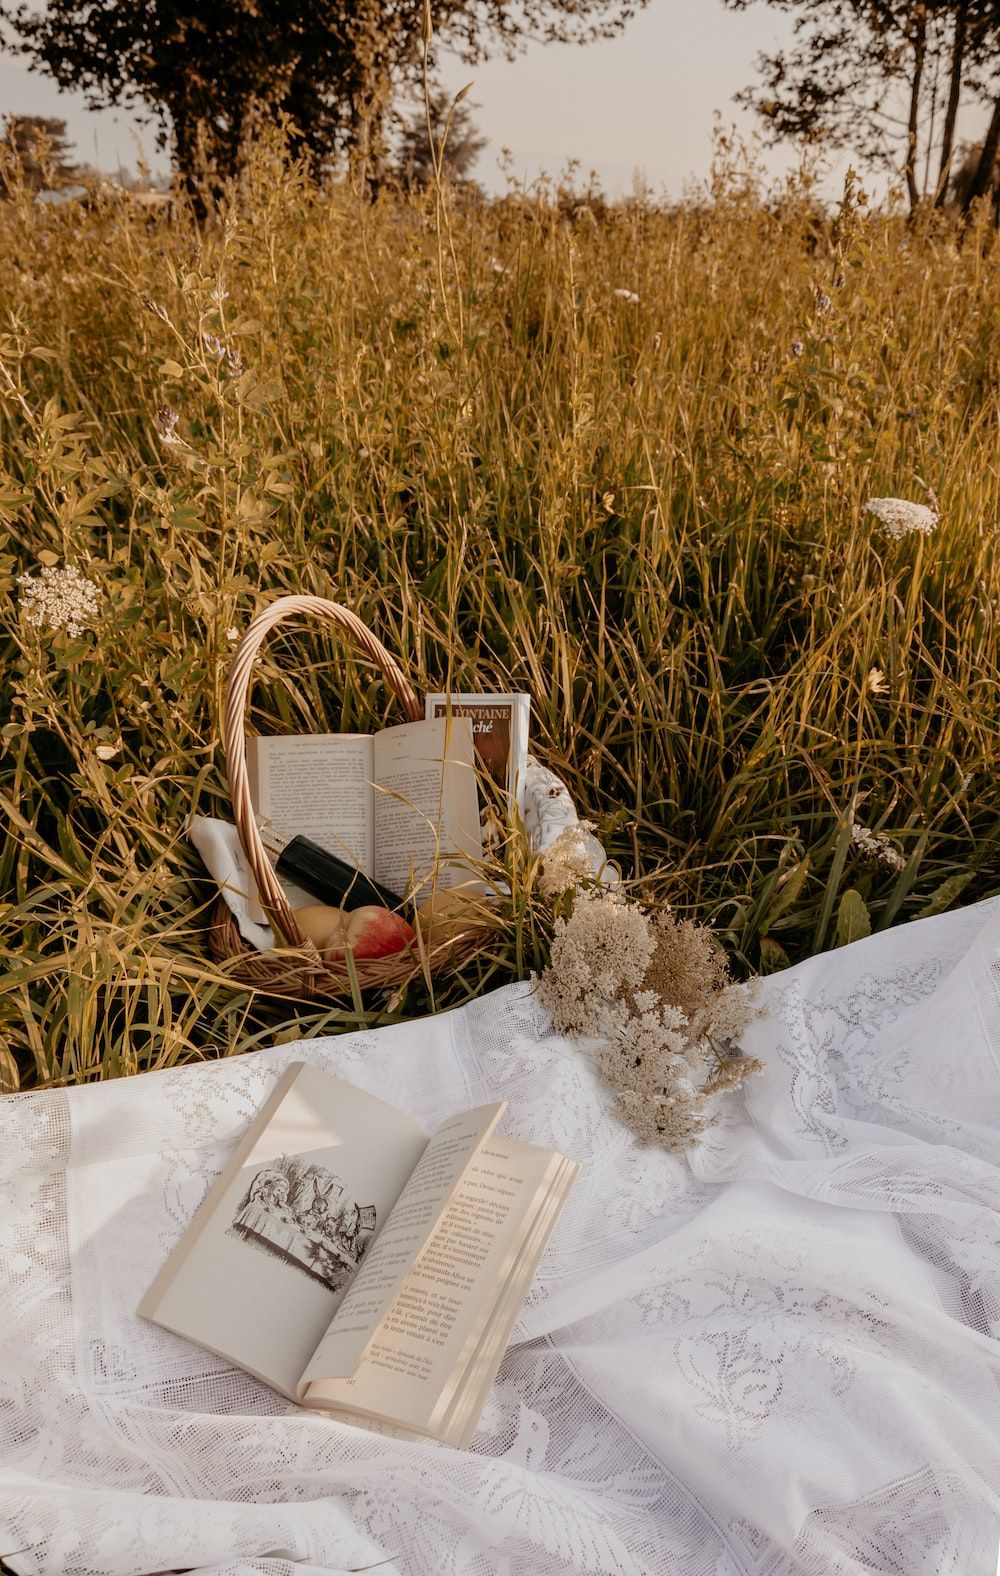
[(166, 424)]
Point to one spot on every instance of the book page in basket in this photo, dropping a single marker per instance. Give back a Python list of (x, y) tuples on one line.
[(317, 785), (426, 803), (271, 1253)]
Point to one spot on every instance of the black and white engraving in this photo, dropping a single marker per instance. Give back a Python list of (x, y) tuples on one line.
[(301, 1212)]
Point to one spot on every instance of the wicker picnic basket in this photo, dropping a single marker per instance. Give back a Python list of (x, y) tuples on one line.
[(299, 969)]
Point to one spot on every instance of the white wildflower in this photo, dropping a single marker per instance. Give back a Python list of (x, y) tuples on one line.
[(566, 864), (877, 682), (59, 599), (898, 517), (823, 303), (599, 952), (876, 849), (797, 348), (627, 295)]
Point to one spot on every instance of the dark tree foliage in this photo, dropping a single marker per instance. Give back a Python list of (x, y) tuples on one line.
[(36, 148), (968, 163), (885, 78), (209, 70), (442, 129)]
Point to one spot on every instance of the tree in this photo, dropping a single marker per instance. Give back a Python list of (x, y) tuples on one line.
[(208, 70), (37, 148), (455, 137), (884, 78)]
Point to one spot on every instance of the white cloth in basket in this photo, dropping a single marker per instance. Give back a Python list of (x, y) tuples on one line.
[(779, 1359)]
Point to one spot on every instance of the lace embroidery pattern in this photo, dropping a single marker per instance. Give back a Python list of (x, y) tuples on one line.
[(770, 1359)]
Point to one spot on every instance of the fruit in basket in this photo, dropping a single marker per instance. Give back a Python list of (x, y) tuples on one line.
[(320, 923), (370, 932), (451, 912)]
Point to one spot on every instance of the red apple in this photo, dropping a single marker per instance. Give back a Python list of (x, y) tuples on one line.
[(374, 932)]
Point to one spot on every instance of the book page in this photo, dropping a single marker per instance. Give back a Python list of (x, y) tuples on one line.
[(272, 1251), (420, 1207), (317, 785), (456, 1420), (420, 1351), (426, 803)]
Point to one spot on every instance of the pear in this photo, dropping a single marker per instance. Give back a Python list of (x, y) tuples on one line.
[(453, 911), (320, 923)]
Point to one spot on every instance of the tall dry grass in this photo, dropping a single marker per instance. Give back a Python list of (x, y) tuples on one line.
[(649, 512)]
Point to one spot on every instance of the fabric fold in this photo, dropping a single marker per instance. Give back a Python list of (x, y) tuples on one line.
[(776, 1357)]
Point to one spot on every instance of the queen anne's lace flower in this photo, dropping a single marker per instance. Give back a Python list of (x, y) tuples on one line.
[(654, 993), (59, 599), (566, 863), (898, 517), (601, 951), (876, 849)]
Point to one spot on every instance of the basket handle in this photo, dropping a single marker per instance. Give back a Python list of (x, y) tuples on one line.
[(237, 701)]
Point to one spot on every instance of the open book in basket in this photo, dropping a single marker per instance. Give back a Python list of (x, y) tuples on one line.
[(375, 826)]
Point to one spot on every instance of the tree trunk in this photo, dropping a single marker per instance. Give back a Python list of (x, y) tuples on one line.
[(186, 163), (982, 181), (919, 40), (954, 94)]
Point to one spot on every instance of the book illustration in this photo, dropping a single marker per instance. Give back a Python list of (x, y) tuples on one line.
[(500, 741), (447, 1230), (491, 734), (302, 1213)]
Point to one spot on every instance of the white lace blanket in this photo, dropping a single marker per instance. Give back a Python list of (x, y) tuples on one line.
[(781, 1359)]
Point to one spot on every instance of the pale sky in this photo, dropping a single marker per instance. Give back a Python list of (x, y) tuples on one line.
[(641, 102)]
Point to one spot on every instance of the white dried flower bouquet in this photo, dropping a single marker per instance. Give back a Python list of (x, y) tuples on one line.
[(653, 991)]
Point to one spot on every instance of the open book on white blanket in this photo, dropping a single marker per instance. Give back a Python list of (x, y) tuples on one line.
[(360, 1266)]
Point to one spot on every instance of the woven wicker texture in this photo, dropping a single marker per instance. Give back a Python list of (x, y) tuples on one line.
[(301, 970)]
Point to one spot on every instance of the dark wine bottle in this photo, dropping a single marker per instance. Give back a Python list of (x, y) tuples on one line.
[(326, 877)]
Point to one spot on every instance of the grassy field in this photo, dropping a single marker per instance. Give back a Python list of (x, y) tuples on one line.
[(618, 457)]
